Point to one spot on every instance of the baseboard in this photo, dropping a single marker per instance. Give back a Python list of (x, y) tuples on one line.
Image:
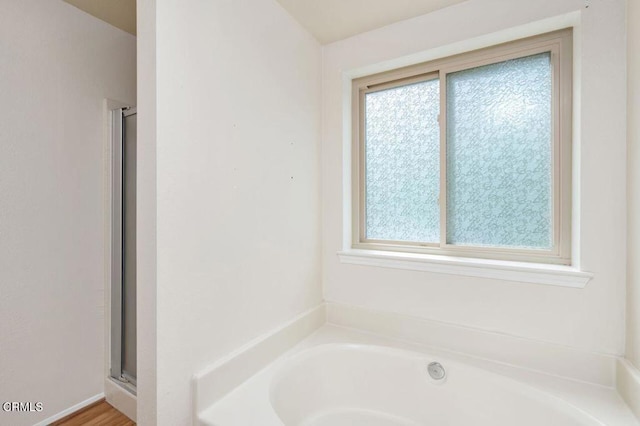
[(628, 384), (64, 413), (229, 372), (535, 355), (123, 400)]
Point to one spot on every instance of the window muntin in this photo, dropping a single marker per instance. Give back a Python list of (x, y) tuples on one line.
[(491, 177)]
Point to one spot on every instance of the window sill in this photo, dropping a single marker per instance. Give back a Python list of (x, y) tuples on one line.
[(563, 276)]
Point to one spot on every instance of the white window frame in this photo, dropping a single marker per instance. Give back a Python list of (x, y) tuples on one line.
[(559, 44)]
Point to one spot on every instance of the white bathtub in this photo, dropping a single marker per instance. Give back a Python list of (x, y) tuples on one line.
[(341, 377), (361, 385)]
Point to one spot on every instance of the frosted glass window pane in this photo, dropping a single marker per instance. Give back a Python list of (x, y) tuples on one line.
[(499, 146), (402, 154)]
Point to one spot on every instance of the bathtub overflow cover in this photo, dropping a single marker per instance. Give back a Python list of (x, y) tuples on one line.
[(436, 371)]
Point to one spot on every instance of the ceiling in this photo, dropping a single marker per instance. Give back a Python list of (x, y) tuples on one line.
[(119, 13), (327, 20), (332, 20)]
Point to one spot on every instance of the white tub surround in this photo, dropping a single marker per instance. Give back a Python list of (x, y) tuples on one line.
[(628, 384), (341, 377), (213, 383), (531, 354)]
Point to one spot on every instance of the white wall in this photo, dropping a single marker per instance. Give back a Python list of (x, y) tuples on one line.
[(633, 117), (147, 395), (57, 64), (591, 318), (238, 213)]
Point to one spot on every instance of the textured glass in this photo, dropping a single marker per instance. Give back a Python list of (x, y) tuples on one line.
[(402, 154), (499, 164)]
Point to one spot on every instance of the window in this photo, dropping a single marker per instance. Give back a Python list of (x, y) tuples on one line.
[(468, 156)]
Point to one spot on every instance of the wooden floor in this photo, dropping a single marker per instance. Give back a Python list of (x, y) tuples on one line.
[(97, 414)]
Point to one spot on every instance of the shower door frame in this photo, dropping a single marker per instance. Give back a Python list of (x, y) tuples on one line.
[(116, 347)]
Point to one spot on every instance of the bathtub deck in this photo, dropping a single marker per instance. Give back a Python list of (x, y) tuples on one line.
[(249, 403)]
